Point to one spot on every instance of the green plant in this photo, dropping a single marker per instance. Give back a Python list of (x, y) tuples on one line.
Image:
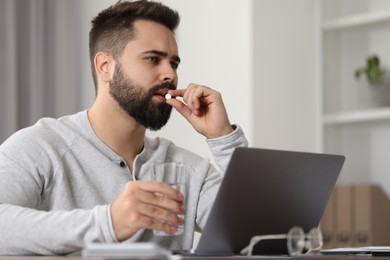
[(372, 70)]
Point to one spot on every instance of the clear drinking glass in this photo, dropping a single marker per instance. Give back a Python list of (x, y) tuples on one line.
[(175, 175)]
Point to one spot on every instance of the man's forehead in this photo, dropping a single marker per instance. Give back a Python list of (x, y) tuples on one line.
[(152, 36)]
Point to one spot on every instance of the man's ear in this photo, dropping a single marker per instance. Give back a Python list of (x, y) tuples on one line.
[(104, 64)]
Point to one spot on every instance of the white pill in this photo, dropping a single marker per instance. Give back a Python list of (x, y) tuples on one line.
[(168, 96)]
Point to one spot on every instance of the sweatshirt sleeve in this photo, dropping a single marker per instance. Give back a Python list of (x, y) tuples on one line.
[(51, 232), (223, 147)]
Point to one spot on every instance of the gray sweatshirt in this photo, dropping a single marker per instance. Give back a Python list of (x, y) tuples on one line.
[(58, 180)]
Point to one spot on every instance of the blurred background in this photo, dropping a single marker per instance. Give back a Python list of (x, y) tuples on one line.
[(45, 69), (285, 70)]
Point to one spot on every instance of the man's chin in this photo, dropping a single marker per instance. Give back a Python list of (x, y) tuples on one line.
[(156, 125), (154, 128)]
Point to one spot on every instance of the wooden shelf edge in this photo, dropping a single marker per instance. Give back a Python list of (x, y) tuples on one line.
[(356, 20), (357, 116)]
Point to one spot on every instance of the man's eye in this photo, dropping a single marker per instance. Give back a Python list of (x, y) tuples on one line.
[(152, 59), (174, 65)]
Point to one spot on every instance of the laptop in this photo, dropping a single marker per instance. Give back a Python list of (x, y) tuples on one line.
[(267, 192)]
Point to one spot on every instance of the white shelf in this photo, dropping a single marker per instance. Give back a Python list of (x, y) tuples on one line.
[(356, 20), (357, 117), (354, 118)]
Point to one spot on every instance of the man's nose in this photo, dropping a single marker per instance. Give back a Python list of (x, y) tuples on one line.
[(168, 74)]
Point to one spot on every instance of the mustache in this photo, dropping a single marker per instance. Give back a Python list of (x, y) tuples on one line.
[(165, 85)]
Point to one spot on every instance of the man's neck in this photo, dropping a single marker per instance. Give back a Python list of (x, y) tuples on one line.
[(118, 131)]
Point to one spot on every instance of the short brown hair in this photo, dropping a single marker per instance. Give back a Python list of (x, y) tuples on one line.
[(113, 28)]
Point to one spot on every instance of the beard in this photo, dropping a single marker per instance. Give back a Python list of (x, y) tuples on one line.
[(138, 103)]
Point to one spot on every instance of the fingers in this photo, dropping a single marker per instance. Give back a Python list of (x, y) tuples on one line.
[(181, 107), (196, 98), (161, 218), (203, 108), (162, 197), (146, 205), (161, 188), (192, 97)]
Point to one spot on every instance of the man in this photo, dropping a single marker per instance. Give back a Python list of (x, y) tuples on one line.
[(83, 178)]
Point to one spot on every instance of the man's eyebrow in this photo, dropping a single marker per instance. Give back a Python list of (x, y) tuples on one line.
[(163, 54)]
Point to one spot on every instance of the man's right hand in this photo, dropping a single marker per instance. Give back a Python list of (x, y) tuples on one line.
[(146, 205)]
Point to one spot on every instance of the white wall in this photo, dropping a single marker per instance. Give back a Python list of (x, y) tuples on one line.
[(285, 108)]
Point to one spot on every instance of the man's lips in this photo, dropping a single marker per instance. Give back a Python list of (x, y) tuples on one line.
[(162, 94)]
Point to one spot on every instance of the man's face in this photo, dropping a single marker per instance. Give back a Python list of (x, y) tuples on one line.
[(145, 73), (138, 101)]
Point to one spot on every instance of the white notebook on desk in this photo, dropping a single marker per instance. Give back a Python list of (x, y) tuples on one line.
[(126, 251), (371, 250)]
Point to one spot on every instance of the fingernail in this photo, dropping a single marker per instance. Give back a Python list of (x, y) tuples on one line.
[(172, 229), (180, 196)]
